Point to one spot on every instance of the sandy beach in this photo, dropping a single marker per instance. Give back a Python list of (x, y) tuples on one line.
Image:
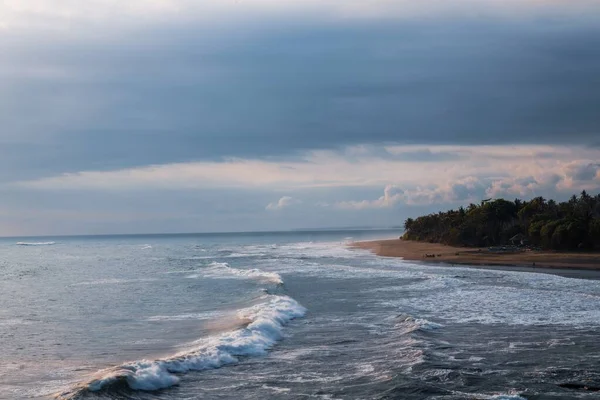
[(439, 253)]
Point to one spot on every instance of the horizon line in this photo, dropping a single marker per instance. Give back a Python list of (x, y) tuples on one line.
[(296, 230)]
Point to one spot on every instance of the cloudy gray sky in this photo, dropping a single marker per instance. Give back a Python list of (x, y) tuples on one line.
[(183, 116)]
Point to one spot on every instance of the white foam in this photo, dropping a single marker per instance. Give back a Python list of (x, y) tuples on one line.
[(513, 306), (338, 270), (14, 321), (560, 342), (426, 325), (451, 293), (317, 250), (481, 396), (244, 255), (277, 389), (410, 324), (365, 369), (217, 269), (184, 317), (496, 296), (146, 247), (113, 281), (265, 328), (197, 258), (35, 243)]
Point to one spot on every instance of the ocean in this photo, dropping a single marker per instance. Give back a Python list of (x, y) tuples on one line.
[(292, 315)]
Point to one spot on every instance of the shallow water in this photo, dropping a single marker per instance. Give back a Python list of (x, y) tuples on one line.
[(290, 316)]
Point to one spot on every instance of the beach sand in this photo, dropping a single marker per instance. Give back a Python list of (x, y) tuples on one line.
[(417, 251)]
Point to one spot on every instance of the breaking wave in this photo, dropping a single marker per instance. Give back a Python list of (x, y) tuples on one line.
[(273, 277), (408, 323), (265, 322), (35, 243)]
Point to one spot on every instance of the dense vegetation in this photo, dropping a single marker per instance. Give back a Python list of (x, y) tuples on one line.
[(570, 225)]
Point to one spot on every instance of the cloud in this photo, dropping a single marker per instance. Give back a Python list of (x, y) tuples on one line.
[(173, 87), (284, 202), (16, 14), (583, 172), (512, 169), (463, 190), (382, 108), (391, 196), (562, 180)]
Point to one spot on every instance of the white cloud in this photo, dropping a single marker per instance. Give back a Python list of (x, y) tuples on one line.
[(284, 202), (465, 189), (320, 178), (391, 196), (497, 169), (67, 14), (569, 178)]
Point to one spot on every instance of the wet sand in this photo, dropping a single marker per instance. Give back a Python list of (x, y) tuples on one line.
[(439, 253)]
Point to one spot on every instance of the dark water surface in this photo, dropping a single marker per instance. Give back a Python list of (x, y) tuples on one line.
[(284, 316)]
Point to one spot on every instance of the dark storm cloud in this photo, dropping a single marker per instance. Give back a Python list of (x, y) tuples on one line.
[(183, 93)]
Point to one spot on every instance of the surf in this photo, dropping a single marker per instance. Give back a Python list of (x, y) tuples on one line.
[(264, 324), (35, 243), (217, 268)]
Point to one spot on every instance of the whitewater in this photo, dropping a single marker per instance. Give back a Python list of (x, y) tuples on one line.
[(284, 315), (264, 326)]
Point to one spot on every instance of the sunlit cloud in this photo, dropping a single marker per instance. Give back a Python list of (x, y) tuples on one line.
[(63, 15), (362, 109), (476, 171), (283, 202)]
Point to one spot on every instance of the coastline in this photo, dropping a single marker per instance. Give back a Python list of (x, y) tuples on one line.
[(482, 257)]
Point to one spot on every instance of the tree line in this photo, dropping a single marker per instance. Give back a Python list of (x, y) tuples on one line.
[(568, 225)]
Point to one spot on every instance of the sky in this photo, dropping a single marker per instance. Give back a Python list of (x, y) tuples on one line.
[(184, 116)]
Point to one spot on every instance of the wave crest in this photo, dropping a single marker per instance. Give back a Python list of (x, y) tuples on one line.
[(35, 243), (264, 329), (254, 273), (410, 324)]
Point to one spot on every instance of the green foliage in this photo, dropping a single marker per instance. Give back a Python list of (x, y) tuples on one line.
[(594, 233), (570, 225)]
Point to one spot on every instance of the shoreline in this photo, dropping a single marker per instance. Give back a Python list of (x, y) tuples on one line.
[(481, 257)]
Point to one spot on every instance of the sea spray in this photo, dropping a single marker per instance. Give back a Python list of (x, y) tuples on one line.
[(264, 328), (218, 268)]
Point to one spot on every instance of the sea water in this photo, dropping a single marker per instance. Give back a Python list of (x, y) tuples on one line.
[(292, 315)]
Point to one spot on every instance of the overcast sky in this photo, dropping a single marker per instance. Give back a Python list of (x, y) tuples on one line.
[(188, 116)]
